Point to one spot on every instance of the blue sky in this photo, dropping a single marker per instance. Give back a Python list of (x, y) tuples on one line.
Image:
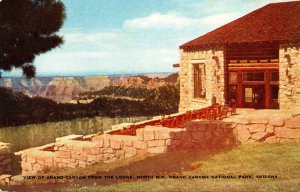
[(133, 36)]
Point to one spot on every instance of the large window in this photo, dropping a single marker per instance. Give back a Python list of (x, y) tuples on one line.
[(199, 81), (253, 76)]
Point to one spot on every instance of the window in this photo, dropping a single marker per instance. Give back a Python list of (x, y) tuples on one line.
[(199, 81), (232, 77), (253, 76), (274, 76)]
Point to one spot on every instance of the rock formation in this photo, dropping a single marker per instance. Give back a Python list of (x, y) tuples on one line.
[(64, 89)]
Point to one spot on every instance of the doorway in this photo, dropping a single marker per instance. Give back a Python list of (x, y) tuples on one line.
[(254, 96)]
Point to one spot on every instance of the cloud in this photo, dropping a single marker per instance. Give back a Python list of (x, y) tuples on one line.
[(163, 21), (219, 19), (126, 61), (158, 20), (80, 41), (258, 3)]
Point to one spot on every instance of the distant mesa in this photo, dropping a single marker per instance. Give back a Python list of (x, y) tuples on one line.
[(65, 89)]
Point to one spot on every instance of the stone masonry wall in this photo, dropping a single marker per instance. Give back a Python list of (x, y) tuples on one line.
[(269, 130), (80, 151), (289, 82), (4, 158), (75, 151), (214, 65)]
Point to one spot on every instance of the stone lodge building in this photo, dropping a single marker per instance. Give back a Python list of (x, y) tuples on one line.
[(253, 61)]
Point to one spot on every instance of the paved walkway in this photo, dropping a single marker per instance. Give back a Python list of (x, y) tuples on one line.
[(245, 112)]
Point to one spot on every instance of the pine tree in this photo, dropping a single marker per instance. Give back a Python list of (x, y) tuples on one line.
[(28, 28)]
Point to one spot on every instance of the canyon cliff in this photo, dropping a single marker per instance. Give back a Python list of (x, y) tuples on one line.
[(64, 89)]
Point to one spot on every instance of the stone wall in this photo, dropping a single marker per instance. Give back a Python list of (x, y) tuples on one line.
[(289, 82), (79, 151), (269, 130), (214, 65), (4, 158)]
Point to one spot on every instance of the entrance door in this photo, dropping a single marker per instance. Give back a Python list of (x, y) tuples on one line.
[(254, 96)]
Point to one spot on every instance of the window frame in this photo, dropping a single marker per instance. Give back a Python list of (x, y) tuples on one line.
[(199, 70), (253, 72)]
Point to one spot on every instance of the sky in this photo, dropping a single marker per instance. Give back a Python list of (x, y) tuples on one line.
[(105, 37)]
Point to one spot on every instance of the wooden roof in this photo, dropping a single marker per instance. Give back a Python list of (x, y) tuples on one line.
[(273, 22)]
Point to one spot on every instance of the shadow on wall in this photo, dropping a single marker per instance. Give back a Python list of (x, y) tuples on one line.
[(167, 164), (204, 135), (146, 167), (79, 151), (177, 150)]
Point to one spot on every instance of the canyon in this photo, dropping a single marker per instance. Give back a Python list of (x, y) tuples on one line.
[(65, 89)]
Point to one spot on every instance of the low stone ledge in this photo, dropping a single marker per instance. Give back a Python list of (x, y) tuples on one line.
[(40, 148), (175, 114), (157, 117), (120, 126), (88, 137), (68, 137), (143, 122)]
